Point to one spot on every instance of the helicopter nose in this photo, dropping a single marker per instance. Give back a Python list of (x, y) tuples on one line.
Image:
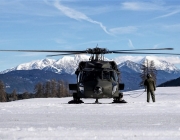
[(98, 90)]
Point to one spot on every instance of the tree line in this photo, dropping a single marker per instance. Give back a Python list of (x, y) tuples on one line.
[(47, 89), (52, 88)]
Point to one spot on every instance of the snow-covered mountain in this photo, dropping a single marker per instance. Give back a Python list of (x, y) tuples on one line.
[(160, 64), (68, 64), (129, 65), (134, 63)]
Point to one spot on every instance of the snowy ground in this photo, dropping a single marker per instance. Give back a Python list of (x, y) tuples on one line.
[(54, 119)]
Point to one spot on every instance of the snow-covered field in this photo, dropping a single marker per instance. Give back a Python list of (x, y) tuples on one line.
[(54, 119)]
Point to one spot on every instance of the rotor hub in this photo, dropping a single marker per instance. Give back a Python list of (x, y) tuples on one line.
[(97, 51)]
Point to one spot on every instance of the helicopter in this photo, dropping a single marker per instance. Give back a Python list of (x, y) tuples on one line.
[(97, 78)]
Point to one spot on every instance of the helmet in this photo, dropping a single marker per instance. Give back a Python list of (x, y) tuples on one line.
[(149, 75)]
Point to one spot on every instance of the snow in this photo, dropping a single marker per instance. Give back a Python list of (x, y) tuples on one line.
[(121, 59), (53, 118), (38, 64)]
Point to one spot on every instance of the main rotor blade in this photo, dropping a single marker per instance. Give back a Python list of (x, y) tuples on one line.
[(145, 53), (63, 54), (145, 49), (53, 51)]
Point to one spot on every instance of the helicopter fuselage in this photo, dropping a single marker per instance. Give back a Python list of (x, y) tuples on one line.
[(98, 79)]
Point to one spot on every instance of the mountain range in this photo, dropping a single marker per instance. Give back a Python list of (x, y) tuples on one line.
[(24, 76)]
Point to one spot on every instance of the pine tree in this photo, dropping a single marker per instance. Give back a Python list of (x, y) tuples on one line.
[(2, 92), (66, 89), (143, 74), (47, 90), (53, 88), (25, 95), (39, 90), (62, 88), (153, 71), (59, 89), (14, 95), (148, 68)]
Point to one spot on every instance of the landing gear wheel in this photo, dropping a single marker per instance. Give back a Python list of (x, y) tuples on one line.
[(119, 99), (97, 102), (76, 100)]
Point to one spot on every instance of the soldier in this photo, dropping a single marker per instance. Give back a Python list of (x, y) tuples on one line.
[(150, 85)]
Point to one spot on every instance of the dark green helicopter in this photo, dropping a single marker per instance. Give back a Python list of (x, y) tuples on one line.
[(97, 78)]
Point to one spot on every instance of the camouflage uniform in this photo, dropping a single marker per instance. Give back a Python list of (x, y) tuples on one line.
[(150, 85)]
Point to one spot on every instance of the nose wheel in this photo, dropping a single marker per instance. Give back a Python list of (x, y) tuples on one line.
[(97, 102)]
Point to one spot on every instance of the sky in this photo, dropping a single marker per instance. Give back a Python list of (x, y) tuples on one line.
[(82, 24)]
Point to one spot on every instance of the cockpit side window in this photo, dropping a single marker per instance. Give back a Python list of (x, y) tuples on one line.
[(80, 77), (112, 76), (115, 76)]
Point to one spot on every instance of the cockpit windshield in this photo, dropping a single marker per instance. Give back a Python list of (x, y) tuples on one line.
[(93, 75)]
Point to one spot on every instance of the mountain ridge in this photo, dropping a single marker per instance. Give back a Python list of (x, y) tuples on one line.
[(68, 64)]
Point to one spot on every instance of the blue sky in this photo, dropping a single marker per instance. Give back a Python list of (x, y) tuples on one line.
[(82, 24)]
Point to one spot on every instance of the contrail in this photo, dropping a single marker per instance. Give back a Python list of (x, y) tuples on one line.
[(169, 14), (77, 15), (130, 43)]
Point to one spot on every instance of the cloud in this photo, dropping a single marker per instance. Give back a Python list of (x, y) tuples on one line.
[(74, 14), (172, 28), (123, 30), (141, 6), (150, 6)]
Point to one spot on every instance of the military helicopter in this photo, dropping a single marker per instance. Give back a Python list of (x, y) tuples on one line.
[(97, 78)]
